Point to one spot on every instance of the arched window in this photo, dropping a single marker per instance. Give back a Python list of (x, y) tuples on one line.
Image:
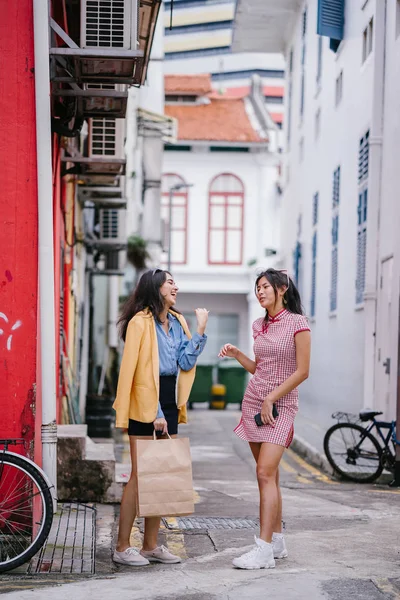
[(178, 215), (225, 220)]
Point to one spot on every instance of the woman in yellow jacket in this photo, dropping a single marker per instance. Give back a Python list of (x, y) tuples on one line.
[(151, 395)]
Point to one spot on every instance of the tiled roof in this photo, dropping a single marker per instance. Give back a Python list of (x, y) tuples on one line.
[(221, 120), (244, 90), (188, 84)]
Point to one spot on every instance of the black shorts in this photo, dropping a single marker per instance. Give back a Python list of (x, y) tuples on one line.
[(169, 408)]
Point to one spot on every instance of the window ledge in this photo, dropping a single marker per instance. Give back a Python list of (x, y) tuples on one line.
[(339, 50), (312, 319), (366, 62), (333, 314), (359, 306)]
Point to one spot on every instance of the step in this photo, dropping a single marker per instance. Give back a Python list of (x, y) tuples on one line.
[(122, 472), (85, 469)]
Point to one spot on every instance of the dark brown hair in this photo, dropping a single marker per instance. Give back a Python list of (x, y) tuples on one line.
[(146, 295), (280, 279)]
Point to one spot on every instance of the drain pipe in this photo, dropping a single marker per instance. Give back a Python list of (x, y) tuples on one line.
[(45, 238), (374, 206)]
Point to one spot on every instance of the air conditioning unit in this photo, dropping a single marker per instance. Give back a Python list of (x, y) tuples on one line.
[(109, 24), (112, 225), (106, 137)]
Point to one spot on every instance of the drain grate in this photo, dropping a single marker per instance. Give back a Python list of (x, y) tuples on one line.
[(70, 547), (191, 523)]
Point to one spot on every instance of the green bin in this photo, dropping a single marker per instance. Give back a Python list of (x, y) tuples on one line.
[(201, 390), (234, 378)]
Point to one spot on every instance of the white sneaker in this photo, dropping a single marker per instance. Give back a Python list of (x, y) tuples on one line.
[(279, 546), (131, 557), (161, 554), (260, 557)]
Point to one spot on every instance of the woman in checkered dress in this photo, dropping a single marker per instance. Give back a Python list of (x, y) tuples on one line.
[(282, 357)]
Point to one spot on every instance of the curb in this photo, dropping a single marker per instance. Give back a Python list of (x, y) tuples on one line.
[(301, 447), (105, 530), (314, 457)]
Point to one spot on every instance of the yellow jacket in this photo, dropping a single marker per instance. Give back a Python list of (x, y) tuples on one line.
[(139, 375)]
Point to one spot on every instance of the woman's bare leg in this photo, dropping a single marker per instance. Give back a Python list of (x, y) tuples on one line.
[(255, 448), (128, 505), (267, 467), (151, 528), (278, 522)]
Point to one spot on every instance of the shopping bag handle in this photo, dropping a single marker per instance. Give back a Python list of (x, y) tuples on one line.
[(155, 436)]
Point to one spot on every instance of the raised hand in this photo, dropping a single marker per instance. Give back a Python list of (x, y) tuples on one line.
[(229, 351), (202, 318)]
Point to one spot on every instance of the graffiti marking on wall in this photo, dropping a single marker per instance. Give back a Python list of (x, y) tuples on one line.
[(16, 325)]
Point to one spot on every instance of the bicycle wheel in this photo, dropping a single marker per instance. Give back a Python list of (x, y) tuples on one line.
[(26, 511), (353, 452)]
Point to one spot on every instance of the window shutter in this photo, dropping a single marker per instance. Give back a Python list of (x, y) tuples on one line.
[(334, 278), (330, 22)]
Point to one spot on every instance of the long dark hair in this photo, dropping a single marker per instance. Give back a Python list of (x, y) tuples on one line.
[(280, 279), (146, 295)]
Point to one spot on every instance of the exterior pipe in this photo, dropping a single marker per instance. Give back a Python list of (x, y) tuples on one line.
[(45, 238), (374, 206)]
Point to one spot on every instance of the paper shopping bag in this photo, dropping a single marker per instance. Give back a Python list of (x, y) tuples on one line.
[(164, 477)]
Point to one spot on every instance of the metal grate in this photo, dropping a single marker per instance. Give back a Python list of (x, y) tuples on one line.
[(109, 223), (191, 523), (70, 547), (105, 23), (103, 137)]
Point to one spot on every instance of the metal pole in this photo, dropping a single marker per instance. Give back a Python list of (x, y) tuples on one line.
[(396, 480), (171, 195), (45, 238)]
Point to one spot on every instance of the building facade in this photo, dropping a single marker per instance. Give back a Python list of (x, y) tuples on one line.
[(339, 210), (220, 196), (67, 68), (198, 39)]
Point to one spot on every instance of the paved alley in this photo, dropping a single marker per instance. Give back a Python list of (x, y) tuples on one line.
[(343, 539)]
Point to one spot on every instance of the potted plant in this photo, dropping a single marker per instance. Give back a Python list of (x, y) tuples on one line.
[(137, 253)]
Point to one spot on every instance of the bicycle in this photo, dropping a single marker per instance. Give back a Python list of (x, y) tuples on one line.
[(356, 454), (26, 507)]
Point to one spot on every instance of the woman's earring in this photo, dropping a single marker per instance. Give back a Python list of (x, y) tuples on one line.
[(284, 300)]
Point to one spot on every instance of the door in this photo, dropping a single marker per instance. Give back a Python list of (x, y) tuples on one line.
[(385, 367)]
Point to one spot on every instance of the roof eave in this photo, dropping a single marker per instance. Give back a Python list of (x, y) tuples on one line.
[(262, 145), (264, 25)]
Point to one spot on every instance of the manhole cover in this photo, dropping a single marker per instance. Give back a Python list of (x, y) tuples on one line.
[(211, 523)]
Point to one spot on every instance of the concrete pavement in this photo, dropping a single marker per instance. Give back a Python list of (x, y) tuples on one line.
[(343, 539)]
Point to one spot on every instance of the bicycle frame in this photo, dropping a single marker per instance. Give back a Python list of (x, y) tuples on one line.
[(391, 434)]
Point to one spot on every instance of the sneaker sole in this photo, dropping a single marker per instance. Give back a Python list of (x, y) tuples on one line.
[(283, 554), (254, 568), (164, 562), (129, 564)]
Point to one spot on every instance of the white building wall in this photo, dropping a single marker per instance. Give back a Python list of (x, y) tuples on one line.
[(389, 238), (257, 171), (339, 378), (336, 381), (224, 289)]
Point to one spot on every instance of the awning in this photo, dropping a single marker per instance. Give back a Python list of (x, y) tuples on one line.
[(264, 25), (166, 126)]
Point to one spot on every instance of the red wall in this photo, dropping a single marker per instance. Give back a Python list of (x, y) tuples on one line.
[(18, 221)]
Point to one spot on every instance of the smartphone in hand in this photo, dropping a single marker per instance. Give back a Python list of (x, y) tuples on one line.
[(257, 417)]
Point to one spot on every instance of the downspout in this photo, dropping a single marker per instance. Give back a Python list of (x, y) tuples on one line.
[(45, 238), (374, 204)]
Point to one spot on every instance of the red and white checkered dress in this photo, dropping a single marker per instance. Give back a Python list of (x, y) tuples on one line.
[(275, 353)]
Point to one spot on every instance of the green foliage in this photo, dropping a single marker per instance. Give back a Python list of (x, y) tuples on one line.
[(137, 253)]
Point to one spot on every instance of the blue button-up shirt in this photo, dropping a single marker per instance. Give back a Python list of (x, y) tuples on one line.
[(176, 351)]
